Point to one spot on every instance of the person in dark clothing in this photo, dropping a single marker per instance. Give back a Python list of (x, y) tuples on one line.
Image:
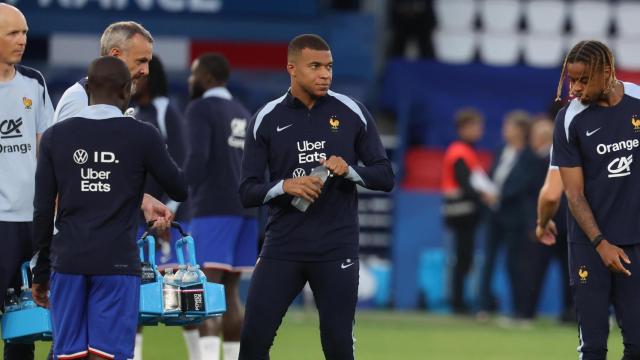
[(551, 244), (96, 162), (307, 127), (510, 214), (226, 233), (464, 186)]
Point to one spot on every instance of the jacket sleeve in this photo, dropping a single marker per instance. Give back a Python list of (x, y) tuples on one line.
[(44, 209), (159, 163), (375, 173), (254, 186), (199, 134)]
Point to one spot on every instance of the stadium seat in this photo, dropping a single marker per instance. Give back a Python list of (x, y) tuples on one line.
[(543, 50), (576, 38), (545, 16), (590, 18), (455, 14), (500, 15), (625, 15), (454, 46), (627, 53), (499, 49)]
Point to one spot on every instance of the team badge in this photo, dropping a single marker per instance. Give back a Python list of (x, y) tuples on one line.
[(635, 121), (335, 123), (27, 103), (583, 274)]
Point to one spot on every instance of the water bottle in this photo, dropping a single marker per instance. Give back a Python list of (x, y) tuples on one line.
[(302, 204), (12, 302), (170, 292), (26, 299), (192, 290), (182, 269)]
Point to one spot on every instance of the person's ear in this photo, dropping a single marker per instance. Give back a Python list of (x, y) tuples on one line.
[(115, 52), (291, 69)]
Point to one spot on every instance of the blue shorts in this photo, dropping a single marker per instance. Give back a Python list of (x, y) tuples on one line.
[(94, 314), (225, 242), (165, 252)]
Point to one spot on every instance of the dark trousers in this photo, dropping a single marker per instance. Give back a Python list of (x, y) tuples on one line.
[(16, 249), (541, 256), (276, 283), (595, 288), (463, 229), (513, 237)]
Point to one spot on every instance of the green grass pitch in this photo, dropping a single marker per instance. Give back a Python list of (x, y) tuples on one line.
[(384, 335)]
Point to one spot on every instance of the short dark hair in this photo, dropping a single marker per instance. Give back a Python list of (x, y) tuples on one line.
[(157, 78), (520, 119), (306, 41), (595, 54), (467, 116), (216, 65), (108, 75)]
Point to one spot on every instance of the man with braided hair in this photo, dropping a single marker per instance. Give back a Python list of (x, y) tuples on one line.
[(596, 138)]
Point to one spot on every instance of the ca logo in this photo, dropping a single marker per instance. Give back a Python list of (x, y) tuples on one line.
[(299, 172), (620, 166), (80, 156)]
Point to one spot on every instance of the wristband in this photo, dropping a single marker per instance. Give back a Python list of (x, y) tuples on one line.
[(596, 240)]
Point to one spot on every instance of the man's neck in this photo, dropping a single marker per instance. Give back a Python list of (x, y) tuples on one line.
[(614, 96), (7, 72), (303, 96)]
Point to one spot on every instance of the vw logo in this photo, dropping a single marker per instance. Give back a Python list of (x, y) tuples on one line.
[(299, 172), (80, 156)]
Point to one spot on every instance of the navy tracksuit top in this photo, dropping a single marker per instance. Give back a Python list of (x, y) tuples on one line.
[(287, 139)]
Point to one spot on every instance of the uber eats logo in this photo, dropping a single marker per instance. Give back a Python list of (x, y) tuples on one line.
[(94, 180), (310, 151)]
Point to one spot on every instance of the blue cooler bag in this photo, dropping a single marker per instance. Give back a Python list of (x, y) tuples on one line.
[(24, 321), (199, 299), (150, 284)]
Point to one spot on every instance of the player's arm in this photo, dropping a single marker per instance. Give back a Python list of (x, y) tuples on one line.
[(376, 172), (254, 189), (548, 202), (573, 180), (161, 166), (46, 190)]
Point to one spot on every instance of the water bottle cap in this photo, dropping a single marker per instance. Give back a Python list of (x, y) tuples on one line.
[(169, 270), (182, 267)]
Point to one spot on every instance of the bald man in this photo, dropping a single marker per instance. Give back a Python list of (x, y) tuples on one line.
[(25, 113), (97, 161)]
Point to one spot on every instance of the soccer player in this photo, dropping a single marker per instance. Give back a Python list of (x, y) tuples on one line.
[(97, 161), (133, 44), (595, 141), (308, 126), (25, 113), (226, 234)]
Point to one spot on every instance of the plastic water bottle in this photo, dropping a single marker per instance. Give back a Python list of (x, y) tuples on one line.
[(182, 269), (301, 203), (170, 292), (12, 302), (192, 291), (26, 299)]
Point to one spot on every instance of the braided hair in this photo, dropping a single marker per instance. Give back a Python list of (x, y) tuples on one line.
[(596, 55)]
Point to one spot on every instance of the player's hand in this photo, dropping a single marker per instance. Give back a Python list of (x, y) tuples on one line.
[(306, 187), (611, 256), (336, 165), (40, 293), (154, 210), (489, 199), (547, 235)]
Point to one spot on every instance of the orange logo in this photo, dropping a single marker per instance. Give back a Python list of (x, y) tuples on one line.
[(27, 103)]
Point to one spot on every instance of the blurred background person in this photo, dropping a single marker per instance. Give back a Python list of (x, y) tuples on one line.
[(226, 234), (463, 192), (553, 244), (509, 216)]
